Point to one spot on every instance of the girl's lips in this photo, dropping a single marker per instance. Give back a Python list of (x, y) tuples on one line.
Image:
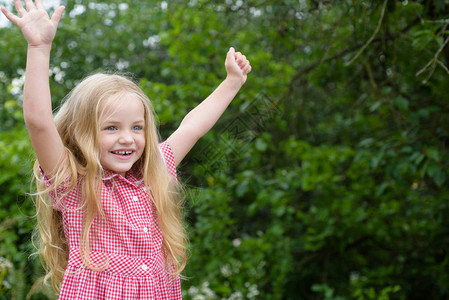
[(123, 154)]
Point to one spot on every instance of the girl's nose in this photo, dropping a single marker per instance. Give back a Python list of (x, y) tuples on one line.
[(126, 138)]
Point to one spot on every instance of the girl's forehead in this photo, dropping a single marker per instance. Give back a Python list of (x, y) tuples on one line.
[(122, 104)]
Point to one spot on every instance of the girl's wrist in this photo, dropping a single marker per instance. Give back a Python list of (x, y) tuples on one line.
[(41, 50), (40, 47), (234, 81)]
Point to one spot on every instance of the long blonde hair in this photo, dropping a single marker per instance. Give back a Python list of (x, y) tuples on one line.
[(77, 122)]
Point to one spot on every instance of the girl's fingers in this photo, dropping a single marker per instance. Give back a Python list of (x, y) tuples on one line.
[(57, 15), (238, 56), (39, 4), (241, 60), (244, 67), (10, 16), (29, 5), (247, 69), (244, 61), (19, 8)]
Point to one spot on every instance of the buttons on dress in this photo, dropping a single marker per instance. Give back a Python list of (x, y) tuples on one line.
[(135, 198), (145, 229), (144, 267)]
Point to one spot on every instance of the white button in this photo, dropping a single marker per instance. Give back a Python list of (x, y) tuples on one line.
[(135, 198), (144, 267), (145, 229)]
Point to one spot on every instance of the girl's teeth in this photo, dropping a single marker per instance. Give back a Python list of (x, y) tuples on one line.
[(123, 152)]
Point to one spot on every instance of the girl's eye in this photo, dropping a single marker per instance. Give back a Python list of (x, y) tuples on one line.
[(111, 128), (137, 127)]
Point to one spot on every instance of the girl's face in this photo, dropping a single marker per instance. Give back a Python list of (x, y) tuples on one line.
[(122, 133)]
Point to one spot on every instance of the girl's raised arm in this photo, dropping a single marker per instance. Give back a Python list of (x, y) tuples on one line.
[(201, 119), (39, 30)]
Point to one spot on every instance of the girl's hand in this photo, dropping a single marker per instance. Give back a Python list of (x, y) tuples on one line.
[(38, 29), (237, 66)]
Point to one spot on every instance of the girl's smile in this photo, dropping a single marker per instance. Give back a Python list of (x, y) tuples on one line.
[(122, 133), (123, 154)]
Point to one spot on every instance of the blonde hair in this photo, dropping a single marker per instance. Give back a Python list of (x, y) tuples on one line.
[(82, 166)]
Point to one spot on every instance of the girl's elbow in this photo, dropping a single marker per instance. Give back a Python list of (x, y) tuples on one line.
[(36, 124)]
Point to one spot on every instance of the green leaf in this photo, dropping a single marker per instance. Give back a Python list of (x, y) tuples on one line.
[(437, 173), (261, 145), (241, 188), (401, 103)]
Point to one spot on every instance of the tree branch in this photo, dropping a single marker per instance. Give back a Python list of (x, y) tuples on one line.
[(379, 23), (343, 52), (432, 63)]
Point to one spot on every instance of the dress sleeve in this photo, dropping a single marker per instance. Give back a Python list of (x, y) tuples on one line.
[(168, 157), (60, 196)]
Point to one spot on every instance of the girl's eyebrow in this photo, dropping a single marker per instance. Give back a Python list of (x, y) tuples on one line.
[(115, 121), (139, 122), (109, 121)]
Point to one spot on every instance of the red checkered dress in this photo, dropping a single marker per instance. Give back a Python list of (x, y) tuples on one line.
[(128, 241)]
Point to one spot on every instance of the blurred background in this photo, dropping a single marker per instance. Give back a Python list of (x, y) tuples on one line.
[(327, 177)]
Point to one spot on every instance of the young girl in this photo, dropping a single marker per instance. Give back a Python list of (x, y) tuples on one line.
[(108, 205)]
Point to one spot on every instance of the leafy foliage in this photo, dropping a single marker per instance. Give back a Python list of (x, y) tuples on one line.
[(325, 179)]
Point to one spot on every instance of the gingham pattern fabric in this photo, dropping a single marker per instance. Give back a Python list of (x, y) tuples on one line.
[(127, 243)]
